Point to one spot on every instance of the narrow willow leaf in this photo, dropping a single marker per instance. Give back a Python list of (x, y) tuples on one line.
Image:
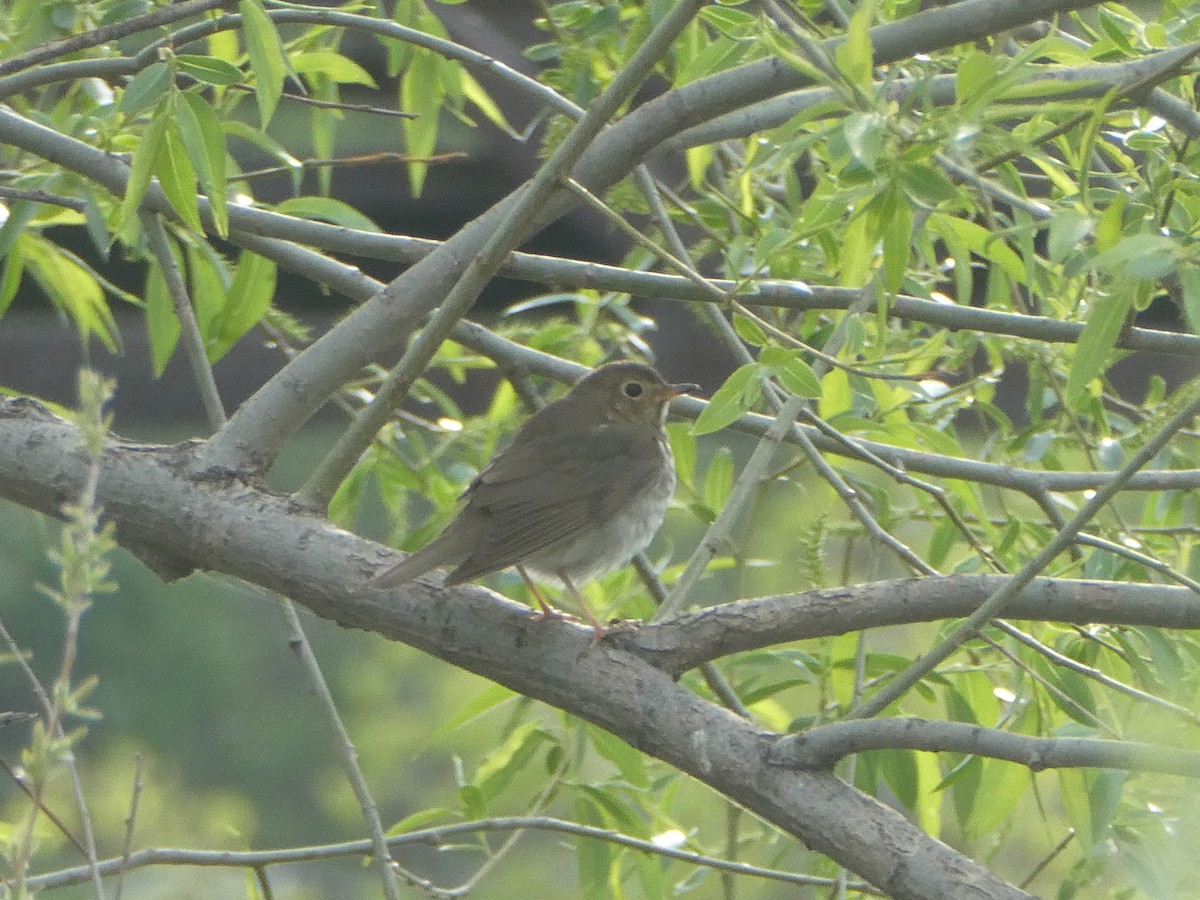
[(499, 767), (1093, 353), (248, 299), (266, 57), (10, 276), (145, 89), (145, 161), (629, 762), (792, 371), (718, 480), (162, 324), (853, 55), (976, 73), (474, 92), (593, 857), (420, 94), (209, 69), (897, 242), (205, 142), (209, 282), (333, 66), (749, 330), (177, 177), (327, 210), (71, 288)]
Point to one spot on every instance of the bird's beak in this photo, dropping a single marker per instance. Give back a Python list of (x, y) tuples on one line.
[(672, 391)]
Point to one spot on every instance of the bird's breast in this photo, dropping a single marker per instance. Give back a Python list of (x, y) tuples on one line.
[(613, 539)]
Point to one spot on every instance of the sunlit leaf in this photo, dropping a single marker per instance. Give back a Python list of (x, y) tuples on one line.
[(730, 401)]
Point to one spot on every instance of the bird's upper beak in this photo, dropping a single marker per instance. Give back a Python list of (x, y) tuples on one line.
[(674, 390)]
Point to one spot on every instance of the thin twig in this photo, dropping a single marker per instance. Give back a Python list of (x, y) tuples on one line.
[(437, 836), (139, 762), (181, 302)]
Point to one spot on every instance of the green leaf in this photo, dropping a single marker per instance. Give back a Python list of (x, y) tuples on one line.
[(209, 282), (474, 92), (421, 93), (857, 253), (927, 184), (205, 142), (267, 61), (629, 762), (792, 371), (71, 288), (981, 242), (420, 819), (10, 277), (1117, 32), (1067, 229), (865, 133), (899, 769), (20, 214), (737, 395), (209, 69), (327, 209), (1144, 255), (853, 55), (145, 89), (897, 244), (177, 178), (248, 299), (145, 161), (492, 696), (836, 395), (731, 22), (263, 142), (1189, 280), (500, 766), (749, 330), (1093, 353), (683, 448), (718, 480), (331, 65), (162, 324), (976, 72), (593, 857)]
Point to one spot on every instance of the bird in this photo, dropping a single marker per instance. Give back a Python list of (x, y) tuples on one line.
[(583, 487)]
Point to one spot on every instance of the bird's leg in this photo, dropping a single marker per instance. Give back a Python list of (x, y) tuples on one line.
[(547, 611), (599, 631)]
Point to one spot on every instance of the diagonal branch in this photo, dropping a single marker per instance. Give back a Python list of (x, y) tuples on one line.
[(235, 529)]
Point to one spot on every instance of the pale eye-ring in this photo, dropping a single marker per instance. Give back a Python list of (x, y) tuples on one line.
[(632, 389)]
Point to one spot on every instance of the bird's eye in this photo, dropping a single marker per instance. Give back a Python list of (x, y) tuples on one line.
[(632, 389)]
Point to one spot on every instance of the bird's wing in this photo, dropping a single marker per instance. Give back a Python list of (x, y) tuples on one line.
[(551, 490)]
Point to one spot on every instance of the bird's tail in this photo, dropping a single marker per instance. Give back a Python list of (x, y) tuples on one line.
[(436, 553)]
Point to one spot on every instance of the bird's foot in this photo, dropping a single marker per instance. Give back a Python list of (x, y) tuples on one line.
[(549, 612), (614, 627)]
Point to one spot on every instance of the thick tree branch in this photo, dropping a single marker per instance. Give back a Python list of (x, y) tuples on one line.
[(232, 527), (685, 642), (823, 746)]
